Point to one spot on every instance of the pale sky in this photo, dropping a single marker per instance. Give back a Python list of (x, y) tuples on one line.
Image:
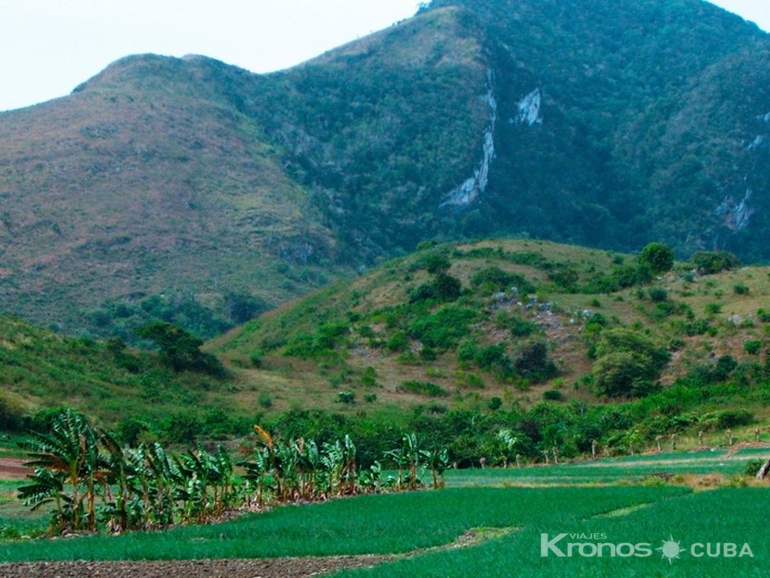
[(48, 47)]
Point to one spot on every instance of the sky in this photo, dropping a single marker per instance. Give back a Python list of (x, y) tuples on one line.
[(48, 47)]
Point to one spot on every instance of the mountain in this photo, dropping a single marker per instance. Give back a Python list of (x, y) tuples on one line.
[(176, 188)]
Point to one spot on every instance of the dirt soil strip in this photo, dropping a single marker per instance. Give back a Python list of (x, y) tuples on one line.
[(257, 568), (12, 469)]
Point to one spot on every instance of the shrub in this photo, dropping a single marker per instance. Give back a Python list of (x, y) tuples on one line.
[(443, 329), (627, 364), (265, 401), (519, 327), (533, 362), (658, 257), (753, 466), (657, 294), (425, 388), (553, 395), (752, 347), (130, 430), (180, 350), (616, 340), (347, 397), (710, 262), (713, 308), (628, 276), (436, 263), (182, 427), (11, 414), (369, 378), (256, 359), (696, 327), (729, 418), (763, 315), (495, 279), (565, 277), (740, 289), (624, 374), (522, 327), (495, 403), (366, 332), (397, 342), (444, 288)]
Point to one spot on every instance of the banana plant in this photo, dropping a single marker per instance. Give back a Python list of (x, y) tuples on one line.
[(76, 466), (258, 475), (438, 462), (116, 475), (45, 487), (508, 441), (69, 450), (164, 477)]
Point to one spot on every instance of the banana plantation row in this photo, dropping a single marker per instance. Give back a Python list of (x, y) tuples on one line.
[(92, 483)]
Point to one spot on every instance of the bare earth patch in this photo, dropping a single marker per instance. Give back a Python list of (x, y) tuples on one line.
[(257, 568), (12, 469), (254, 568)]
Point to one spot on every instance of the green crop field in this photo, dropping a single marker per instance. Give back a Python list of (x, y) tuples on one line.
[(491, 522)]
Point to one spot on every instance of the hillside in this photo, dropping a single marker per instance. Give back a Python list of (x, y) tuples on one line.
[(556, 344), (504, 323), (132, 391), (195, 192)]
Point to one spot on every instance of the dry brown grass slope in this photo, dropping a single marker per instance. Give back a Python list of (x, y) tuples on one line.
[(143, 180)]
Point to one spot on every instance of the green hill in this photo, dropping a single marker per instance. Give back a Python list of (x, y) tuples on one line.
[(509, 322), (133, 391)]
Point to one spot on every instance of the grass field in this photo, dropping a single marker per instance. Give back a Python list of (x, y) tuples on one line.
[(487, 523)]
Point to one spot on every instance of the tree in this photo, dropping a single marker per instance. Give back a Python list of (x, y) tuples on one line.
[(658, 257), (624, 374), (242, 307), (437, 263), (627, 364), (710, 262), (179, 349), (617, 340)]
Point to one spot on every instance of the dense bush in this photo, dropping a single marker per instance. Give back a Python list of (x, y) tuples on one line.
[(657, 294), (425, 388), (180, 350), (532, 362), (710, 262), (11, 414), (658, 257), (624, 374), (627, 364), (493, 279), (444, 328), (321, 343)]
